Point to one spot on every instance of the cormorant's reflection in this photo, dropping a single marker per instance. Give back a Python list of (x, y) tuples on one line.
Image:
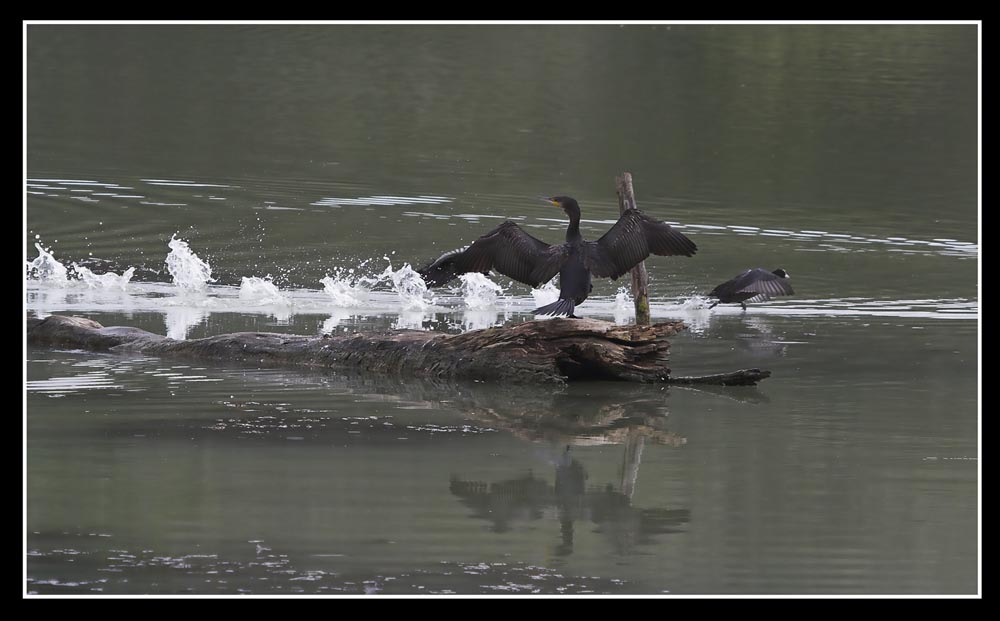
[(579, 418), (757, 336), (760, 339), (570, 497)]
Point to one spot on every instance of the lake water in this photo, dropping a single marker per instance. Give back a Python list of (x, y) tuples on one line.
[(308, 165)]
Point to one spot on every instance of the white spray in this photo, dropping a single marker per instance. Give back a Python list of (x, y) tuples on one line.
[(479, 292), (46, 268), (546, 294), (108, 280), (624, 306), (262, 291), (189, 272)]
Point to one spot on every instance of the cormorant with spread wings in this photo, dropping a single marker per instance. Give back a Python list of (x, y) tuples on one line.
[(509, 250), (754, 285)]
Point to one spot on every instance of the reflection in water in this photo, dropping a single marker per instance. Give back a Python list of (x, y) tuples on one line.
[(480, 319), (760, 339), (336, 316), (575, 418), (183, 313), (572, 416), (528, 498), (233, 461), (311, 434), (410, 320), (282, 315)]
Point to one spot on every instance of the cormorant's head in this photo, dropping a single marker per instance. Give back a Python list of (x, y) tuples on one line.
[(782, 273), (568, 204)]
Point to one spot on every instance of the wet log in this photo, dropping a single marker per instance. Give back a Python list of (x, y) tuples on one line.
[(743, 377), (555, 351)]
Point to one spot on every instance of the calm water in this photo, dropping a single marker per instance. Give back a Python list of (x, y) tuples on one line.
[(846, 155)]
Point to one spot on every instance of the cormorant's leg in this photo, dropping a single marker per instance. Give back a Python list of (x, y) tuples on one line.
[(743, 305), (573, 317)]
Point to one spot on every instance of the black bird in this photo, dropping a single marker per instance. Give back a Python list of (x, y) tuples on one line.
[(756, 285), (512, 252)]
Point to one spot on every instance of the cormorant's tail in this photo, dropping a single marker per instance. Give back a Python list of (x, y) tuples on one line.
[(559, 307), (714, 304)]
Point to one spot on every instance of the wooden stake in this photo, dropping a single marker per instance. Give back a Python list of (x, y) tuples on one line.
[(640, 278)]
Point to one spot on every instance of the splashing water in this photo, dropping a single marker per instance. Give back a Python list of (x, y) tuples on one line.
[(262, 291), (696, 302), (188, 271), (409, 286), (109, 280), (348, 290), (694, 312), (479, 292), (546, 294), (46, 268), (344, 292), (49, 271), (624, 306)]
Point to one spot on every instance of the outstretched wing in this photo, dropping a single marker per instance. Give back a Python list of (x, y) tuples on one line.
[(506, 249), (759, 282), (633, 238)]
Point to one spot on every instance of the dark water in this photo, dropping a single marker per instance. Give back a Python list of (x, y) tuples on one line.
[(845, 154)]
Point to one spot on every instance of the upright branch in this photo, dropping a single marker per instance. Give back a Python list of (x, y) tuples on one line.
[(640, 279)]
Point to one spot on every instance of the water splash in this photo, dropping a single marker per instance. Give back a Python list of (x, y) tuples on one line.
[(262, 291), (108, 280), (624, 310), (46, 268), (188, 271), (349, 290), (345, 291), (546, 294), (409, 287), (696, 302), (479, 292), (694, 312)]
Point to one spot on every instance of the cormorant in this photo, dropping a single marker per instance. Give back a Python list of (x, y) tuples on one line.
[(512, 252), (756, 284)]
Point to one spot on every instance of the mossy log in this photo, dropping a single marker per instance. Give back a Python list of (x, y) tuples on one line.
[(556, 351)]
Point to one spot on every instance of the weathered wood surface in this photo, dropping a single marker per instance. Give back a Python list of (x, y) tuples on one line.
[(556, 350)]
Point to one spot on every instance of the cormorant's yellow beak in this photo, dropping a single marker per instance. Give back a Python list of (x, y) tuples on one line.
[(553, 201)]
